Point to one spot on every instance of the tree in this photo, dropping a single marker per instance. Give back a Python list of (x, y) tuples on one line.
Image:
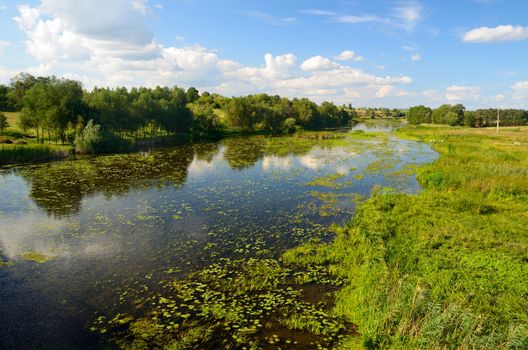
[(307, 113), (192, 94), (330, 115), (448, 114), (20, 84), (179, 117), (239, 113), (5, 105), (289, 125), (3, 123), (419, 114), (205, 120), (470, 119), (51, 105), (396, 113)]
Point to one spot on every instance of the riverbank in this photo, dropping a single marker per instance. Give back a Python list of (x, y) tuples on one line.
[(446, 268)]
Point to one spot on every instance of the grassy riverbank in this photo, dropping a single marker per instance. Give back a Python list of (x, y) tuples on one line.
[(18, 146), (447, 268)]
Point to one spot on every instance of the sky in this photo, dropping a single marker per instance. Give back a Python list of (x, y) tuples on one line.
[(373, 53)]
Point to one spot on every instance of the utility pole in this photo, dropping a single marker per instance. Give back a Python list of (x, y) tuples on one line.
[(498, 119)]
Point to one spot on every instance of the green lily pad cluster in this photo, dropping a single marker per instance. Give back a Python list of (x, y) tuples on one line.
[(235, 304)]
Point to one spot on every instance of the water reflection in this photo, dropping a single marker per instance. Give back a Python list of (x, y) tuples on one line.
[(378, 125), (113, 222)]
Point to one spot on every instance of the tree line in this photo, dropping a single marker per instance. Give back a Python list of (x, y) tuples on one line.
[(458, 115), (59, 109)]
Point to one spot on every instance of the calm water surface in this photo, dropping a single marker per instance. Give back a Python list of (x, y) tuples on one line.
[(101, 225)]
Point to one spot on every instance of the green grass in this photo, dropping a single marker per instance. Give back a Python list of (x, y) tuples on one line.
[(447, 268), (13, 131), (17, 154)]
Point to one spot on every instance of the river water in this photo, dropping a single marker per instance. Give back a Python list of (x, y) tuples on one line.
[(74, 234)]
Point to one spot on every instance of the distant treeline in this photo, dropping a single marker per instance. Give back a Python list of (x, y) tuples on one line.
[(458, 115), (60, 109)]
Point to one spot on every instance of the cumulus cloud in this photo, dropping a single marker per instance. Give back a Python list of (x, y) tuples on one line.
[(457, 93), (520, 90), (348, 55), (112, 46), (503, 33), (318, 63)]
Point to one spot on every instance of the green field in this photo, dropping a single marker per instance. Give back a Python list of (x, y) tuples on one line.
[(31, 151), (447, 268)]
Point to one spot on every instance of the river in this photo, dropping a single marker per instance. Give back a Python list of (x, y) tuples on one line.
[(74, 235)]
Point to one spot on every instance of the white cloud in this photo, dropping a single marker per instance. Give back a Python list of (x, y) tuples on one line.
[(404, 15), (103, 19), (384, 91), (318, 12), (140, 6), (520, 90), (457, 93), (499, 97), (357, 19), (80, 40), (270, 18), (407, 15), (498, 34), (416, 57), (318, 63), (432, 95), (348, 55), (28, 18)]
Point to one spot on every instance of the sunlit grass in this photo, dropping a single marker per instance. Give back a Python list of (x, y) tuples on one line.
[(16, 154), (446, 268)]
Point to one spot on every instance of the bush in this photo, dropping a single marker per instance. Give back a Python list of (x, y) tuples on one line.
[(289, 125), (92, 139)]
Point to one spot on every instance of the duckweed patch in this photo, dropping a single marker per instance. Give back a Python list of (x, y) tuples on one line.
[(37, 257), (234, 303), (327, 181)]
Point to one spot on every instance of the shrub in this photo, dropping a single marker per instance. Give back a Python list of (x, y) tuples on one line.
[(92, 139), (289, 125)]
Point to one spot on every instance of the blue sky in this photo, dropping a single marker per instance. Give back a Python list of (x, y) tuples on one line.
[(368, 53)]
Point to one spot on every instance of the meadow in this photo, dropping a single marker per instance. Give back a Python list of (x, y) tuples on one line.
[(446, 268), (24, 147)]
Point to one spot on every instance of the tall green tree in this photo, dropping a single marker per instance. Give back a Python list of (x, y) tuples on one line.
[(307, 113), (192, 94), (448, 114), (5, 105), (50, 105), (239, 113), (419, 114), (18, 87)]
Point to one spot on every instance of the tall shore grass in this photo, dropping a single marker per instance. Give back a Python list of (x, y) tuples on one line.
[(17, 154), (446, 268)]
